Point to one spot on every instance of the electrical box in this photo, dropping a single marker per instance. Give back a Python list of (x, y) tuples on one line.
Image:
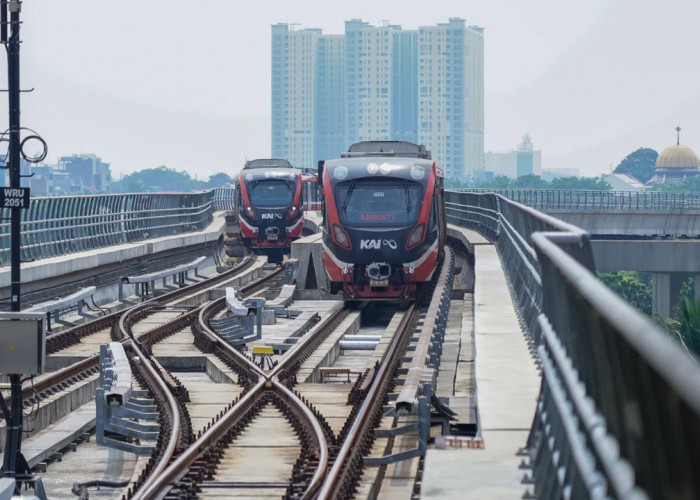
[(22, 343)]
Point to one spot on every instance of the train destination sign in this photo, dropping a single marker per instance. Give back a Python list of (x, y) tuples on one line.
[(14, 197)]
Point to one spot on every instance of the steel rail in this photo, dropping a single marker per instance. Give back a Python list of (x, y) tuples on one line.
[(170, 404), (299, 350), (76, 333), (321, 443), (42, 384), (157, 487), (46, 383), (333, 483)]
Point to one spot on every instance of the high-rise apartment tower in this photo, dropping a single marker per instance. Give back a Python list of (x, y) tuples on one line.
[(379, 83)]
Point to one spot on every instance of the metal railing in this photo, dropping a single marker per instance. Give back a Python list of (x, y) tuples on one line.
[(67, 224), (225, 199), (618, 414), (575, 199)]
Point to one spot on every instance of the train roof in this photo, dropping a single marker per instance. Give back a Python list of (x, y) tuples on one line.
[(268, 163), (366, 166), (258, 174), (404, 149)]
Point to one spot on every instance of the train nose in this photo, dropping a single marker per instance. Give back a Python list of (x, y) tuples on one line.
[(378, 270), (272, 231)]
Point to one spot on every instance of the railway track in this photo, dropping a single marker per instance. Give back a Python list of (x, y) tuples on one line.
[(328, 465), (205, 460), (51, 386)]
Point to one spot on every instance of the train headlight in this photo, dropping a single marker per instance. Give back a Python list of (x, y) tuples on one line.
[(341, 237), (340, 172), (250, 212), (372, 168), (417, 172), (415, 237)]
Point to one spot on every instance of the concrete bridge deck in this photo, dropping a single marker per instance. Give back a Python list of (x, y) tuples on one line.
[(506, 377), (507, 385), (77, 264)]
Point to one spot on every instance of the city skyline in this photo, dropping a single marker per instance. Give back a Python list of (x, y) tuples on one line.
[(379, 83), (155, 86)]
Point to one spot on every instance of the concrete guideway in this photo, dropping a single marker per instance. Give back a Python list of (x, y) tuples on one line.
[(507, 384), (65, 265)]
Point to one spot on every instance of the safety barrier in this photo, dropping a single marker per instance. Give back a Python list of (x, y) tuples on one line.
[(60, 225), (145, 284), (79, 301), (225, 199), (619, 407), (580, 199)]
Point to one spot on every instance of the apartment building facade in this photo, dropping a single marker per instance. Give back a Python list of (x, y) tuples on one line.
[(379, 83)]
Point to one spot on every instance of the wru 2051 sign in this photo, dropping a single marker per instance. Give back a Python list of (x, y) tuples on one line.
[(14, 197)]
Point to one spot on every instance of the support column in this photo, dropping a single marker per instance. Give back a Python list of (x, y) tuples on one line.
[(665, 290)]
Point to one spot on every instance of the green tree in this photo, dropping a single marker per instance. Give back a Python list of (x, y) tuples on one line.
[(219, 180), (588, 183), (690, 185), (530, 182), (451, 183), (159, 179), (640, 164), (500, 182), (631, 287), (685, 324)]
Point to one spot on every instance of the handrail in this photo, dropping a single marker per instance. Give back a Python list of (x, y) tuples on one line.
[(619, 406), (56, 226), (581, 199)]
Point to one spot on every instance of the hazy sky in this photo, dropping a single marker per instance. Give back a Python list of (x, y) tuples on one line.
[(186, 84)]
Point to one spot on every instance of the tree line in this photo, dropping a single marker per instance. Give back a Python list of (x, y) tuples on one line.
[(640, 164), (162, 178), (684, 323)]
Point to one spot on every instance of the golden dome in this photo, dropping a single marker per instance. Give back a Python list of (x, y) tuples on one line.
[(678, 156)]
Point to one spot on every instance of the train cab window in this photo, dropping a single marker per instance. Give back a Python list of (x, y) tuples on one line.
[(378, 202), (271, 193), (432, 222)]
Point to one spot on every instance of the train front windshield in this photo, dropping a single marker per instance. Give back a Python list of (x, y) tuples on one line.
[(378, 202), (271, 193)]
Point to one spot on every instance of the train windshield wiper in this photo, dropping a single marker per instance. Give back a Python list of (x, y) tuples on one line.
[(408, 197), (347, 196)]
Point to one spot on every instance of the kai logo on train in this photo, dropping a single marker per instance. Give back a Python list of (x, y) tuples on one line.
[(271, 216), (377, 244)]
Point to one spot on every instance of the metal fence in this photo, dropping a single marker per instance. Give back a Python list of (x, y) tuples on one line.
[(225, 199), (575, 199), (618, 414), (60, 225)]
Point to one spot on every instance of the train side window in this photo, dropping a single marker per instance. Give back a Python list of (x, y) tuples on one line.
[(432, 223)]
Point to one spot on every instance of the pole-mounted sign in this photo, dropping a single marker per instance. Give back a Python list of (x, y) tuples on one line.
[(11, 197)]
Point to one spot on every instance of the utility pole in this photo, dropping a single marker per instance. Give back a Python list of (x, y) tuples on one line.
[(14, 464)]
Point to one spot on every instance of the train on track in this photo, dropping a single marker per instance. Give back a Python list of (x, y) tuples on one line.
[(384, 225), (270, 208)]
